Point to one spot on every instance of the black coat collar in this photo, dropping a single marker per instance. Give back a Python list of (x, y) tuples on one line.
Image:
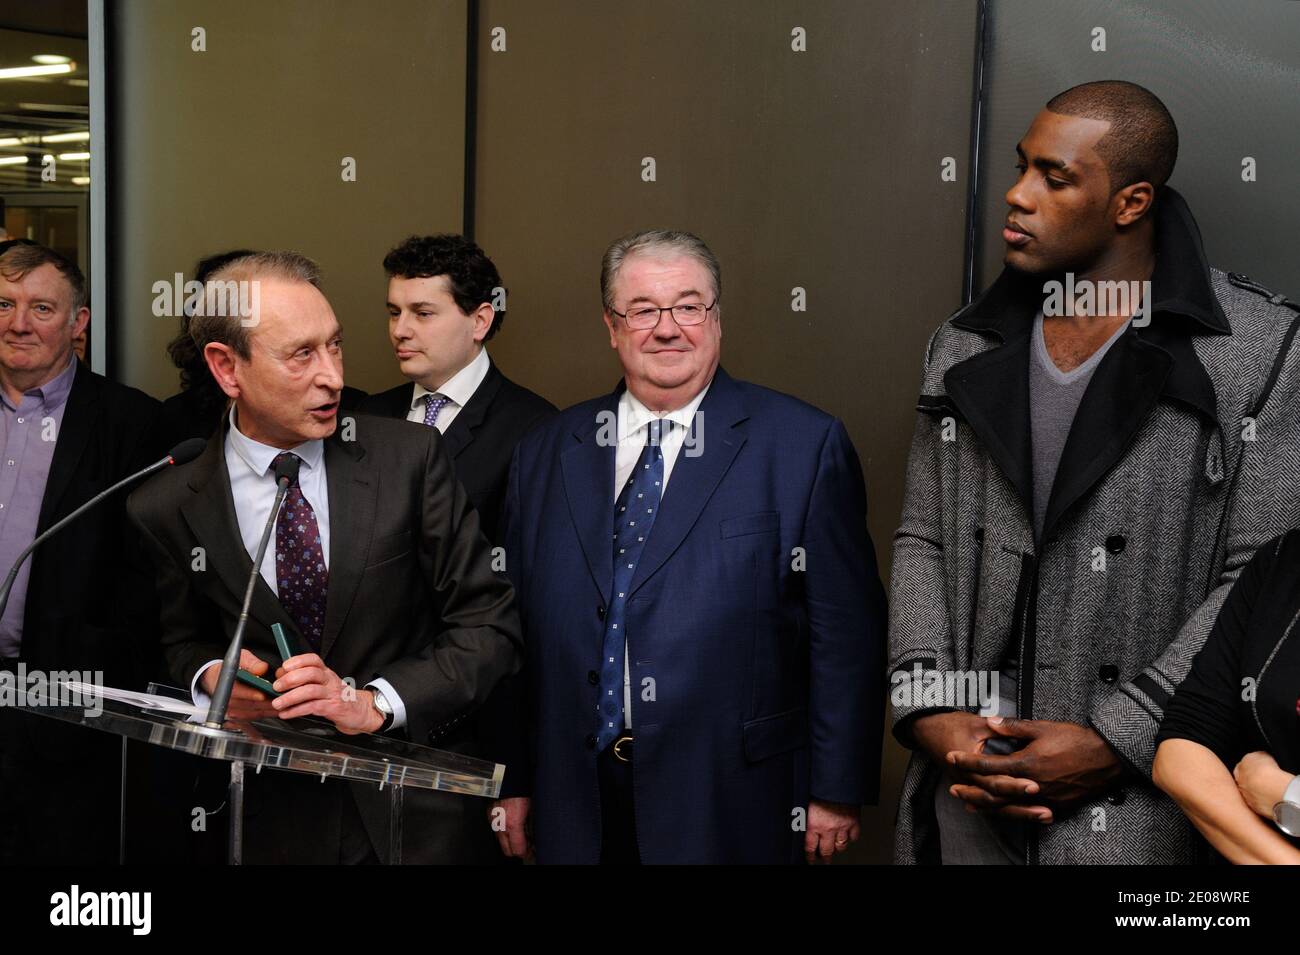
[(991, 389), (1180, 284)]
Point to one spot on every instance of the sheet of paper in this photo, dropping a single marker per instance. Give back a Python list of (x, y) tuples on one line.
[(147, 701)]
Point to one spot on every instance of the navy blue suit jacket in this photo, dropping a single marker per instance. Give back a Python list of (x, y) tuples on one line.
[(755, 625)]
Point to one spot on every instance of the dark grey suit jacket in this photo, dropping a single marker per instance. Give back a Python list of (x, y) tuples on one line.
[(412, 598)]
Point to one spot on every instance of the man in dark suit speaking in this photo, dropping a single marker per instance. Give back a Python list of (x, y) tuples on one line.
[(700, 601), (378, 564)]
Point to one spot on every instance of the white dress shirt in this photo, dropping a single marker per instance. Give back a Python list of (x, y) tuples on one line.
[(633, 417), (252, 485), (458, 389)]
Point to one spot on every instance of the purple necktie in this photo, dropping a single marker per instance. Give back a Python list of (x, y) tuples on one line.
[(300, 573), (432, 405)]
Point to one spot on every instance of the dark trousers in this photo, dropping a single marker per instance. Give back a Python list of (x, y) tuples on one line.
[(617, 816)]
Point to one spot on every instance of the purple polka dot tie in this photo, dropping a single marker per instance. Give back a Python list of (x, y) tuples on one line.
[(300, 574), (432, 405)]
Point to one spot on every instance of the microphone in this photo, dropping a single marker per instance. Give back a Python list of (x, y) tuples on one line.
[(183, 453), (286, 473)]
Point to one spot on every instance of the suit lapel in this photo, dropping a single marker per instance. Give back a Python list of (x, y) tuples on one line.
[(588, 469), (991, 390), (461, 432), (352, 493), (79, 417), (717, 436), (210, 514)]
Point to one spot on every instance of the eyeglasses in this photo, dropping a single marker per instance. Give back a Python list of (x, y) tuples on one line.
[(647, 316)]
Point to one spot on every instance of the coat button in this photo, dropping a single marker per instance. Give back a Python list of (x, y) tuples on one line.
[(979, 535), (600, 612), (1115, 543), (1108, 673), (591, 741), (593, 678), (1116, 798)]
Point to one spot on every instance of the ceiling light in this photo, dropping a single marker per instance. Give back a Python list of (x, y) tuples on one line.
[(74, 157), (49, 59), (22, 72), (13, 160), (78, 137)]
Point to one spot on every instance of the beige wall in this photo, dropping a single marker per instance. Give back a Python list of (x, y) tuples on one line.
[(818, 169), (242, 145)]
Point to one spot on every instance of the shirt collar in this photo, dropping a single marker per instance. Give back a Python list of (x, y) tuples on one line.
[(54, 392), (461, 386), (259, 457), (634, 415)]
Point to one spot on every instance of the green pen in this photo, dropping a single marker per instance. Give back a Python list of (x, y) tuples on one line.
[(281, 641), (260, 683)]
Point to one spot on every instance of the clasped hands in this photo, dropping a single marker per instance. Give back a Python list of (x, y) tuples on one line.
[(1061, 764), (307, 687)]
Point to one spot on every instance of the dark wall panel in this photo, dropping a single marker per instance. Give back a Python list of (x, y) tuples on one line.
[(1230, 75)]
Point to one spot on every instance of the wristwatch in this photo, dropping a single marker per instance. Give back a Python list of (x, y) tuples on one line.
[(386, 709), (1287, 813)]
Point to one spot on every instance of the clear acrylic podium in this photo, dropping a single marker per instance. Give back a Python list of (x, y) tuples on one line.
[(309, 746)]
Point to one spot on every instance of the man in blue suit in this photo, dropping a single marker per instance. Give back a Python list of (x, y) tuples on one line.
[(702, 611)]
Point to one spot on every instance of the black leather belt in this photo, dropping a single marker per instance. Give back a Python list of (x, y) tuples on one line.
[(622, 748)]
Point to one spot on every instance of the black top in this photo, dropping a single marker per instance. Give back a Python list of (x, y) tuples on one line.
[(1241, 693)]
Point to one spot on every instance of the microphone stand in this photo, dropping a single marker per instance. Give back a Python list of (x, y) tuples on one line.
[(55, 528), (230, 665)]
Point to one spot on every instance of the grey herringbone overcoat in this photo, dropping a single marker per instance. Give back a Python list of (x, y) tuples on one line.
[(1165, 488)]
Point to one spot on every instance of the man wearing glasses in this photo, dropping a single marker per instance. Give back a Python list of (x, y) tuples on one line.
[(703, 615)]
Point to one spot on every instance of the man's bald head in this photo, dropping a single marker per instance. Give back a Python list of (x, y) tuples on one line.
[(1142, 143)]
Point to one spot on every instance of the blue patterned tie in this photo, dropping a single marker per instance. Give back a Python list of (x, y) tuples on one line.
[(634, 515), (432, 405), (301, 578)]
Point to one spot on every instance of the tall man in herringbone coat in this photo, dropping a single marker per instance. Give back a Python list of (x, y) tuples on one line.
[(1089, 473)]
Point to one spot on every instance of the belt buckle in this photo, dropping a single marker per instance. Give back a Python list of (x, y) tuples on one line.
[(618, 753)]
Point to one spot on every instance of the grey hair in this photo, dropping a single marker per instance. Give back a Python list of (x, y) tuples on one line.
[(225, 326), (656, 242)]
